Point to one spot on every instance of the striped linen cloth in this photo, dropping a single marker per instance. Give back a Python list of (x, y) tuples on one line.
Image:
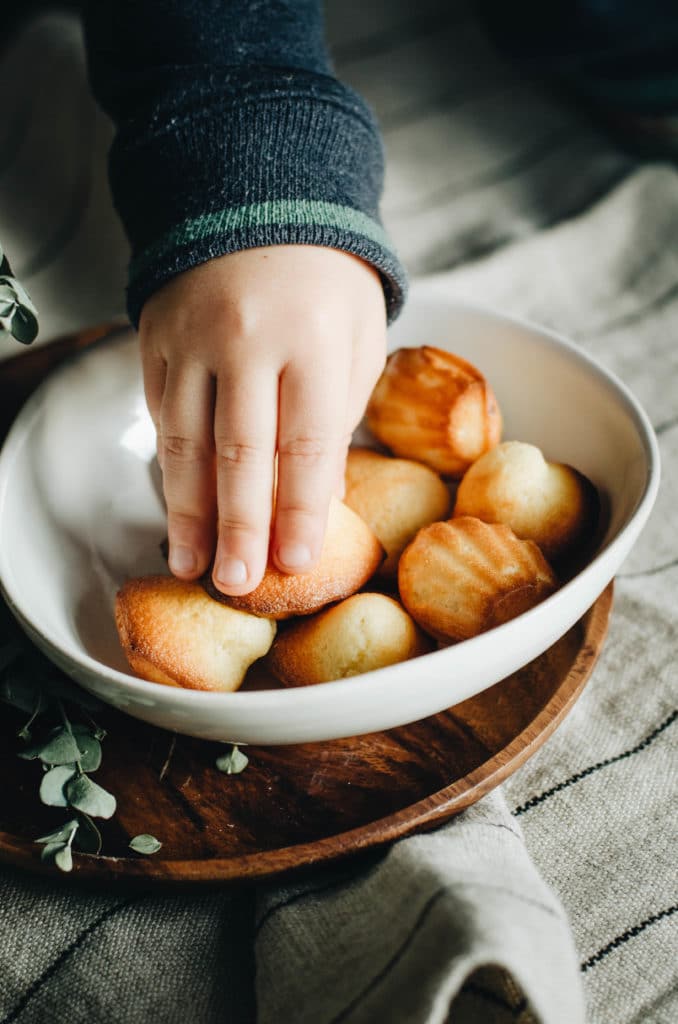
[(552, 900)]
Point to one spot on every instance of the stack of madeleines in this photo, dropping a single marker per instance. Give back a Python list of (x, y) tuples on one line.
[(405, 567)]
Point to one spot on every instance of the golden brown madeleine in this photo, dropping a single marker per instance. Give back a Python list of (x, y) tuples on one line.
[(351, 554), (360, 634), (464, 576), (395, 497), (172, 632), (434, 407), (547, 502)]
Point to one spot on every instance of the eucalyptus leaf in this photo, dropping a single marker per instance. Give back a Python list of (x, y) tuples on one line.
[(48, 852), (24, 329), (18, 315), (60, 749), (88, 836), (84, 795), (90, 751), (61, 835), (232, 763), (145, 843), (63, 858), (52, 785)]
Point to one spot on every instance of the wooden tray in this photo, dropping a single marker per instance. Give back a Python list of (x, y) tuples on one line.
[(300, 805), (296, 806)]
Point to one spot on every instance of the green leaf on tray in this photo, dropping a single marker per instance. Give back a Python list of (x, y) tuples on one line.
[(61, 835), (52, 785), (86, 796), (60, 748), (232, 763), (90, 751), (145, 844), (63, 858), (48, 851)]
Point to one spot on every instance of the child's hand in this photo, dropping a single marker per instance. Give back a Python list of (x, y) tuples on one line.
[(263, 352)]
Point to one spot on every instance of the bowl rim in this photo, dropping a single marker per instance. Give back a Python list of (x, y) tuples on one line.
[(311, 697)]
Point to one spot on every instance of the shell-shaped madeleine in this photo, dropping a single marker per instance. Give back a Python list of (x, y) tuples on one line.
[(172, 632), (362, 633), (351, 554), (435, 407), (395, 497), (547, 502), (464, 576)]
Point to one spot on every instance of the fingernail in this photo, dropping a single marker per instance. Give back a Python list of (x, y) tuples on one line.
[(182, 559), (294, 555), (231, 572)]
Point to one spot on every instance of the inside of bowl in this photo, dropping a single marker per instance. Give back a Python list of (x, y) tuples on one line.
[(82, 510)]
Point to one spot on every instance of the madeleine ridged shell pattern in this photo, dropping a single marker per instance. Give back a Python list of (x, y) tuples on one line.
[(462, 577)]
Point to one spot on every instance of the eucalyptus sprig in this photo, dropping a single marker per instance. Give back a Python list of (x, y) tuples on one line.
[(233, 762), (18, 315), (61, 734), (68, 749)]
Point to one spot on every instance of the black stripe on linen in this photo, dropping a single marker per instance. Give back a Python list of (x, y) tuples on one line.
[(359, 870), (335, 883), (56, 965), (654, 571), (630, 933), (289, 901), (536, 800), (433, 899)]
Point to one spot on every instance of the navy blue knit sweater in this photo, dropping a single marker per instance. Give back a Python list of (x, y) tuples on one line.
[(233, 133)]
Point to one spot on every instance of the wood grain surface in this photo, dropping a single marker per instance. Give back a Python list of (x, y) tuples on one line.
[(293, 806)]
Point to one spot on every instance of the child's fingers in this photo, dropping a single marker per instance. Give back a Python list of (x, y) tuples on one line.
[(244, 435), (311, 427), (187, 459)]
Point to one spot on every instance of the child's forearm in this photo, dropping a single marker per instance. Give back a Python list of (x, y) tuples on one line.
[(232, 134)]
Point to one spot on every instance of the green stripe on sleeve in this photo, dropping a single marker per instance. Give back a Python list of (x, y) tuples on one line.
[(275, 212)]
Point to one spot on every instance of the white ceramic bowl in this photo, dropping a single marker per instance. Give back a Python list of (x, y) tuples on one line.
[(80, 512)]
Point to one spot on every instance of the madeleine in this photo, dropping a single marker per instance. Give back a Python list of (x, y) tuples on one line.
[(351, 554), (172, 632), (434, 407), (395, 497), (362, 633), (547, 502), (464, 576)]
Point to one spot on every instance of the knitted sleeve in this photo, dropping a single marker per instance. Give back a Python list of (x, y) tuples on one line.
[(233, 133)]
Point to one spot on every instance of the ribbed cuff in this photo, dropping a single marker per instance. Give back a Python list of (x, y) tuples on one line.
[(284, 158)]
